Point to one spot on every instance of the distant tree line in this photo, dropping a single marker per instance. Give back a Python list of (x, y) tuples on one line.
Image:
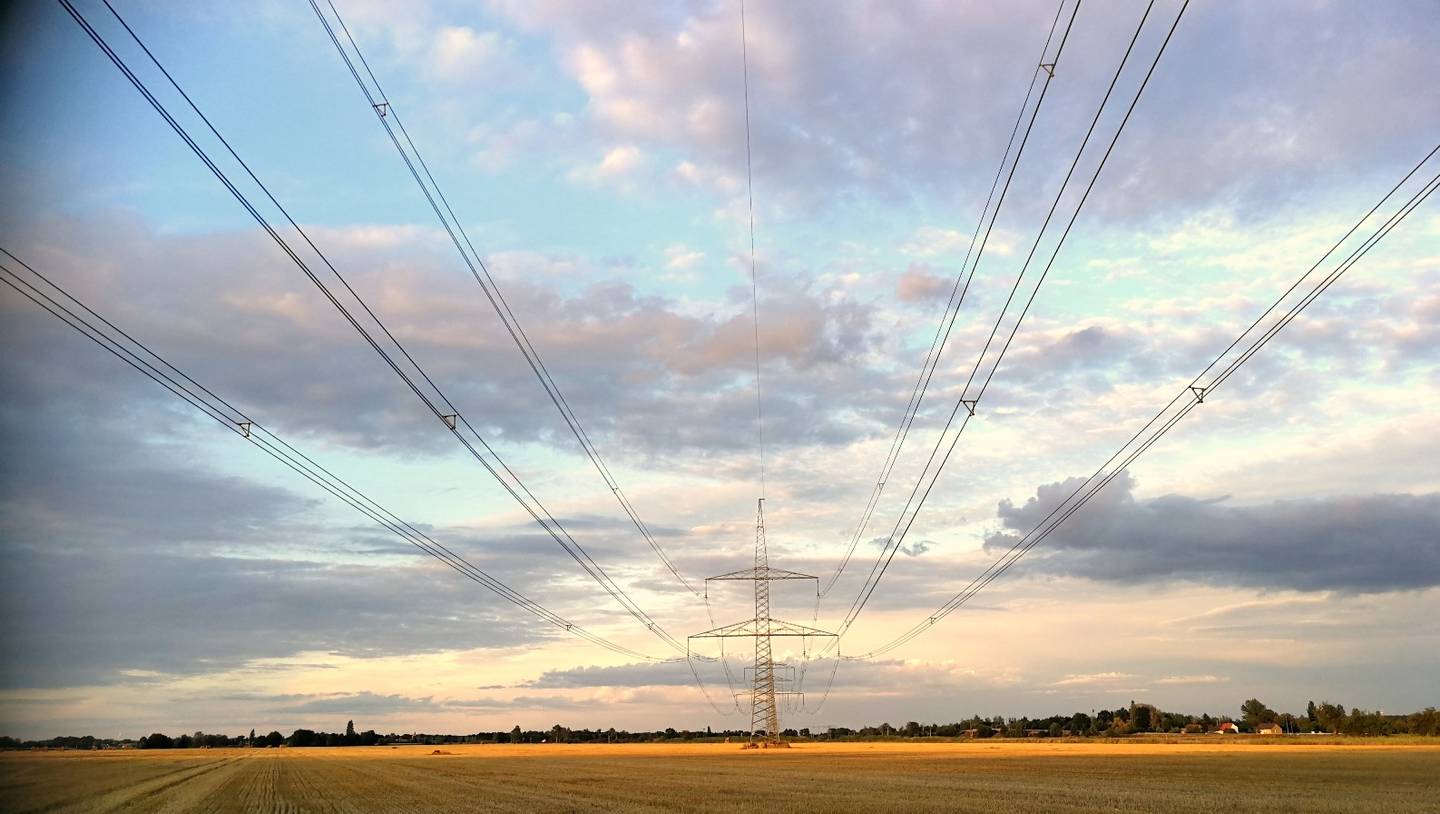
[(1138, 718)]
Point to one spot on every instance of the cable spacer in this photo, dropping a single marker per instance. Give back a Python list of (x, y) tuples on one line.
[(969, 405), (244, 427), (450, 419), (1199, 393), (1049, 68), (383, 108)]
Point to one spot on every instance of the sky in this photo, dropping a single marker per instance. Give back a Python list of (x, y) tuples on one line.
[(1282, 542)]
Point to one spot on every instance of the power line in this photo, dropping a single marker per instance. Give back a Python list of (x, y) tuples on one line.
[(386, 111), (447, 413), (902, 525), (1188, 398), (93, 326), (957, 298), (754, 285)]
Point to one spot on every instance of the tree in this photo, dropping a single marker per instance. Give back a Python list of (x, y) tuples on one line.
[(1331, 717), (1310, 712), (251, 742), (1425, 722), (1360, 722), (349, 729), (158, 740), (516, 736), (1142, 717), (274, 739), (1254, 713)]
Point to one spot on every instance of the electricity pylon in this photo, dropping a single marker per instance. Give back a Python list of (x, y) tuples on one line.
[(764, 714)]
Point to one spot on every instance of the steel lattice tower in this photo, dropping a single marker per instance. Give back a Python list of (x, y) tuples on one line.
[(764, 712)]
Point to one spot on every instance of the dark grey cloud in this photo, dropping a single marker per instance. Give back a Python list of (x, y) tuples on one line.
[(1371, 543), (363, 703), (76, 619), (123, 552), (648, 375), (620, 675)]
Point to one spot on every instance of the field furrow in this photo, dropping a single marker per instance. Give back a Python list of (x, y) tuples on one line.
[(704, 778)]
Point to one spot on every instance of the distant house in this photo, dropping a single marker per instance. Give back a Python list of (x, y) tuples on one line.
[(1228, 728), (1269, 729)]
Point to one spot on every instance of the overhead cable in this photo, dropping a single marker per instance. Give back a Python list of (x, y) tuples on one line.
[(928, 478), (386, 111), (957, 296), (59, 303), (1184, 402), (437, 403)]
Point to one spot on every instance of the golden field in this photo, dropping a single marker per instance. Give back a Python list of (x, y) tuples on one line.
[(1201, 775)]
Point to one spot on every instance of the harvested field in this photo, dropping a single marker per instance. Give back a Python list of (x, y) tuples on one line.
[(989, 776)]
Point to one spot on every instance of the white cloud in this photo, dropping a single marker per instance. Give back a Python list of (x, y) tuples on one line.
[(682, 258), (618, 165), (1083, 679), (462, 54)]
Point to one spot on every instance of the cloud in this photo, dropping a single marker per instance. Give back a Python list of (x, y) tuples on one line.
[(682, 258), (1365, 544), (622, 675), (1201, 679), (618, 164), (1283, 100), (460, 53), (671, 378), (918, 284), (359, 704), (1092, 678)]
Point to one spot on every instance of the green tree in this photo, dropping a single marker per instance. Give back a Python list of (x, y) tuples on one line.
[(1142, 717), (1331, 717), (158, 740), (1425, 722), (274, 739), (1360, 722), (1254, 713)]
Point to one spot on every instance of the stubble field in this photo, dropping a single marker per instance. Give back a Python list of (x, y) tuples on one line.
[(886, 777)]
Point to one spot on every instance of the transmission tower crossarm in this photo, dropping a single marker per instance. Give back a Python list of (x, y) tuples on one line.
[(752, 627), (761, 572)]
